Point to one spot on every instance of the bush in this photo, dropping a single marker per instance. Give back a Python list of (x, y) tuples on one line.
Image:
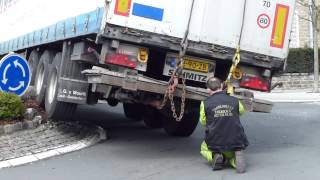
[(300, 60), (11, 107)]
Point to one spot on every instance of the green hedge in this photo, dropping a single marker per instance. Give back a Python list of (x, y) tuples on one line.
[(300, 60), (11, 107)]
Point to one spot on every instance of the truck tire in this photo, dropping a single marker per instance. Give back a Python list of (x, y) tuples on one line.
[(41, 78), (152, 117), (55, 109), (133, 111), (187, 124), (33, 62)]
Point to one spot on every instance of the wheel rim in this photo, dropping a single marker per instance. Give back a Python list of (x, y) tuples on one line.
[(52, 86), (40, 78)]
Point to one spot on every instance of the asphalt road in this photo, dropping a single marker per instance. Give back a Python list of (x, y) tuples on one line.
[(283, 145)]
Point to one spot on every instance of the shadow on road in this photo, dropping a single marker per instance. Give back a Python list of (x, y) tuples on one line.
[(276, 133), (126, 133)]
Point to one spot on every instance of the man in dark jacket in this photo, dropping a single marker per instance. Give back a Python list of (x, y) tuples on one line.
[(225, 138)]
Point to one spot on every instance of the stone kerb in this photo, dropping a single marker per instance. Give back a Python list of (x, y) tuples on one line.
[(294, 81)]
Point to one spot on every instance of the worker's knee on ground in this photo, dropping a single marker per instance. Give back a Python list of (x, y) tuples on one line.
[(208, 155)]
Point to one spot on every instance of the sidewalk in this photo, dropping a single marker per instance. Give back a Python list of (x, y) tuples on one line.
[(291, 96), (48, 140)]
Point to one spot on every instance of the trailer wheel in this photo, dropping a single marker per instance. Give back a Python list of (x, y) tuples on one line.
[(187, 124), (57, 110), (33, 62), (152, 117), (133, 111), (41, 78)]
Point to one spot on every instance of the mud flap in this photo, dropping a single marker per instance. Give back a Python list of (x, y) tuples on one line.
[(73, 91)]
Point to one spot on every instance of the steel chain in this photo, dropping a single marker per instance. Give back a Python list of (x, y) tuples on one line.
[(170, 94), (176, 75)]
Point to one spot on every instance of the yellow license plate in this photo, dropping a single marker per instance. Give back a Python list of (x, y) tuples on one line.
[(196, 65)]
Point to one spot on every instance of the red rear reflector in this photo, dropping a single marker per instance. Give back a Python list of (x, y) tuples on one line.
[(121, 59), (255, 83)]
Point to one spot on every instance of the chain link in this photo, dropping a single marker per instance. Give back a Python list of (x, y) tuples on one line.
[(177, 73), (169, 94)]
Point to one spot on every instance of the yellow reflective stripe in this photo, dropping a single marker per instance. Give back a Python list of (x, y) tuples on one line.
[(232, 162), (203, 118), (208, 155), (241, 109), (205, 152)]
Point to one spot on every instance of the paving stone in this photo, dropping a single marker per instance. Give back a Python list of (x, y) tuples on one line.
[(30, 113), (2, 130), (28, 125), (8, 128), (45, 138)]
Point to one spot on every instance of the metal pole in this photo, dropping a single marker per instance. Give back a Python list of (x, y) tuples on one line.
[(315, 48)]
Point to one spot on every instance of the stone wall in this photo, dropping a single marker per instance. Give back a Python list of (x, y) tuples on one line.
[(294, 81), (301, 35)]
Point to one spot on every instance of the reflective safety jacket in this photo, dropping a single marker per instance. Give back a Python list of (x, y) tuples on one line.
[(220, 114)]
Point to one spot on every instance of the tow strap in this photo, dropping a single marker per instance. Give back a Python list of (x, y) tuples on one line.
[(236, 58)]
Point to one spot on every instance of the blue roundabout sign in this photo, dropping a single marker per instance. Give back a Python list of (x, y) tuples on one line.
[(14, 74)]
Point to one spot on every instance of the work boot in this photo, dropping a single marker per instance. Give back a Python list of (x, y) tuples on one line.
[(240, 162), (217, 162)]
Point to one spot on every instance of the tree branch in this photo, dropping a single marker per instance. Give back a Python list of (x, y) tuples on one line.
[(302, 3), (304, 18)]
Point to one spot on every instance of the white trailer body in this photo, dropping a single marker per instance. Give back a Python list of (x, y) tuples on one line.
[(266, 24), (82, 51), (19, 17)]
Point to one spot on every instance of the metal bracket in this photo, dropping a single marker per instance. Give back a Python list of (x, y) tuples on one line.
[(130, 81)]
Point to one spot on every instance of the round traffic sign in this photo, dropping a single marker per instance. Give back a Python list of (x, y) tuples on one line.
[(263, 21), (14, 74)]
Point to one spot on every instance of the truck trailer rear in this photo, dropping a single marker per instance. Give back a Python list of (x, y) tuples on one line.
[(126, 51)]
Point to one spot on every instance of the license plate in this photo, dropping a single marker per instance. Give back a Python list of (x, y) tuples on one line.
[(196, 65), (194, 69)]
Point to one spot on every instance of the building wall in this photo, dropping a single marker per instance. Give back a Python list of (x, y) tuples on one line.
[(301, 34)]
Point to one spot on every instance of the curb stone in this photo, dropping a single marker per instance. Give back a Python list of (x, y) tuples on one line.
[(32, 119), (289, 97), (59, 150), (26, 124)]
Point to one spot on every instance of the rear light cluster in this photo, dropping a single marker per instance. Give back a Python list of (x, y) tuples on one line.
[(122, 60), (129, 56), (255, 83)]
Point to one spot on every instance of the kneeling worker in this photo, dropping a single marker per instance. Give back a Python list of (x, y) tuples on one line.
[(225, 138)]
